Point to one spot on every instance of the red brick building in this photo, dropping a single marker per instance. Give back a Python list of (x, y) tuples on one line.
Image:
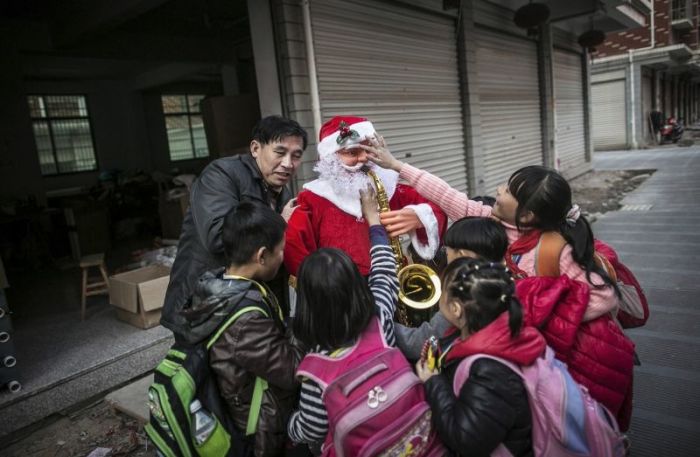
[(635, 73)]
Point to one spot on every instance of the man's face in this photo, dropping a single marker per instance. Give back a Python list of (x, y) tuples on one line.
[(278, 160), (354, 156)]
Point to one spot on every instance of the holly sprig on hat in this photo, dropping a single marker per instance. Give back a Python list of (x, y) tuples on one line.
[(345, 132)]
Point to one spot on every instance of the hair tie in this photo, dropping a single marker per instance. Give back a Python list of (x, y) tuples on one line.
[(573, 215)]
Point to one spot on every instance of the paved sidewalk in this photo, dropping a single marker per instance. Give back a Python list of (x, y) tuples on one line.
[(657, 236)]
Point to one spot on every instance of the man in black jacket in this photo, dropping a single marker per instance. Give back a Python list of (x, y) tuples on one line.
[(261, 176)]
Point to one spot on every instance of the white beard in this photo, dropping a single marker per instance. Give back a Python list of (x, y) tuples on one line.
[(344, 180)]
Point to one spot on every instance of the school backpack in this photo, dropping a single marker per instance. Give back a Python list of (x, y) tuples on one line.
[(375, 403), (183, 376), (634, 307), (566, 421)]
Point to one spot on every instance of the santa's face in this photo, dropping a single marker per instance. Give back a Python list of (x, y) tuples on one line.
[(354, 157), (278, 160)]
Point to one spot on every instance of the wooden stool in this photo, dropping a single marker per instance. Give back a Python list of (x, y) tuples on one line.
[(91, 287)]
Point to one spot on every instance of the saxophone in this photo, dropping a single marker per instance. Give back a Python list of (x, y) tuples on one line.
[(419, 285)]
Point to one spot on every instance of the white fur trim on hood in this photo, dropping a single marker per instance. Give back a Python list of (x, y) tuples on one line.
[(430, 223), (329, 145)]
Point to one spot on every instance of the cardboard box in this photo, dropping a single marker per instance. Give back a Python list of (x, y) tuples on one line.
[(139, 294)]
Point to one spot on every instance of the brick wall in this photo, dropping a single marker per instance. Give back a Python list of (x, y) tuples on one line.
[(620, 42)]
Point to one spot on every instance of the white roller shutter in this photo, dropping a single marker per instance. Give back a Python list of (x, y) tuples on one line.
[(397, 66), (509, 94), (609, 115), (569, 113)]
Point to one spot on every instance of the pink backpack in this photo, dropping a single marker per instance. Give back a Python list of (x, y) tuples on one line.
[(566, 421), (375, 403)]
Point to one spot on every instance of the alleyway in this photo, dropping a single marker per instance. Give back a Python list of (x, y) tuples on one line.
[(659, 240)]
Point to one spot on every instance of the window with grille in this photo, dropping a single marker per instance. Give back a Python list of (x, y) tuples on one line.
[(183, 122), (62, 133)]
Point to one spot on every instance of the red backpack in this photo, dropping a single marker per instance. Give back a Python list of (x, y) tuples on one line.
[(375, 403), (634, 307)]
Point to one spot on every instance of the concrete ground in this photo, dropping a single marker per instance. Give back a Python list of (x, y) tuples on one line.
[(657, 236)]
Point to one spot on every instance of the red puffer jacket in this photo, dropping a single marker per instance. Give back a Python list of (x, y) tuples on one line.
[(597, 352)]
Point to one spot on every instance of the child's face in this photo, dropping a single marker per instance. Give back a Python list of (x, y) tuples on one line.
[(453, 254), (451, 310), (506, 205), (272, 261)]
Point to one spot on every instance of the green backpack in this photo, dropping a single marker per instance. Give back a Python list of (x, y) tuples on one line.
[(183, 376)]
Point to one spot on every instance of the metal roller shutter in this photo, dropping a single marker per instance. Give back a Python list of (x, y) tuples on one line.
[(609, 115), (509, 94), (569, 113), (397, 66)]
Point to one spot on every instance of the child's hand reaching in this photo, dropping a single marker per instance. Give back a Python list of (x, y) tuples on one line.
[(370, 209), (424, 373)]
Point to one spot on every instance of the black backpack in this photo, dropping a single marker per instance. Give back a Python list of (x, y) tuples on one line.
[(185, 375)]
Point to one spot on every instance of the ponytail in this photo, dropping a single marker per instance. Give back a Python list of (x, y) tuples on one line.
[(577, 232)]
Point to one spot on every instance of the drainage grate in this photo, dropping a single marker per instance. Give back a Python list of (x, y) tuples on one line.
[(636, 208)]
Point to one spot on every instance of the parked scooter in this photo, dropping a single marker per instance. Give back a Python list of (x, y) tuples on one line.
[(672, 130)]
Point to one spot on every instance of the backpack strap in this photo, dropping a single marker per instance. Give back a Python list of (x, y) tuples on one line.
[(251, 299), (547, 254)]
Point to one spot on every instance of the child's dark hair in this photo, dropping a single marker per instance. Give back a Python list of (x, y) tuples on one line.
[(247, 228), (334, 303), (483, 235), (485, 290), (546, 193), (276, 128)]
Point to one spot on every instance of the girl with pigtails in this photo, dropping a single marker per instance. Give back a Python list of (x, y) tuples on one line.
[(491, 407), (563, 290)]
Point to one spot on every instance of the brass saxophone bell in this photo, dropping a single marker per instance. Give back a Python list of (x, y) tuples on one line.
[(419, 286)]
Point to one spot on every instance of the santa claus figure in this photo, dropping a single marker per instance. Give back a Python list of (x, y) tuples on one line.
[(329, 213)]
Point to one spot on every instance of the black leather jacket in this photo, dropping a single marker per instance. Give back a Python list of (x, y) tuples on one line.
[(222, 184), (492, 408)]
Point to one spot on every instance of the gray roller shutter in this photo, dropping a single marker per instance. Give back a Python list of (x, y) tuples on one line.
[(397, 66), (609, 115), (509, 94), (569, 113)]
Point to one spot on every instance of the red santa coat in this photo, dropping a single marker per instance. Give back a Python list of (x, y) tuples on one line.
[(318, 223)]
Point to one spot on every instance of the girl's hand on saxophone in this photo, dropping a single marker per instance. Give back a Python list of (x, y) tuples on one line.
[(400, 221), (378, 152), (370, 209)]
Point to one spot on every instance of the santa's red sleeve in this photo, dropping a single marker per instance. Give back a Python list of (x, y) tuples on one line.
[(300, 236), (426, 240)]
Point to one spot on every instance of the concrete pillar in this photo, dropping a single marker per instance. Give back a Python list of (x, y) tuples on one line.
[(266, 74), (587, 106), (20, 172), (633, 89), (466, 48), (545, 51)]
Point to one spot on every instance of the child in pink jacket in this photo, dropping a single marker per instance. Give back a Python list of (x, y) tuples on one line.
[(534, 200)]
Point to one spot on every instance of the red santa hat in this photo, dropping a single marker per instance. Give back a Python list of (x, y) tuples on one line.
[(342, 132)]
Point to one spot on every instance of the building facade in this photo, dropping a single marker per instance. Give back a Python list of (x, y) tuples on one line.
[(636, 72)]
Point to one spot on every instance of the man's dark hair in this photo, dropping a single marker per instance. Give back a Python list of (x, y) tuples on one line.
[(277, 128), (247, 228), (334, 303)]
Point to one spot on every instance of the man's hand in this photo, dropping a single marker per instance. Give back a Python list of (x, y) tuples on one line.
[(400, 222), (379, 153), (370, 210), (289, 209)]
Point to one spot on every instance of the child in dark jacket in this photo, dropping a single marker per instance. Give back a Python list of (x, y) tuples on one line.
[(256, 345), (492, 406), (473, 237)]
